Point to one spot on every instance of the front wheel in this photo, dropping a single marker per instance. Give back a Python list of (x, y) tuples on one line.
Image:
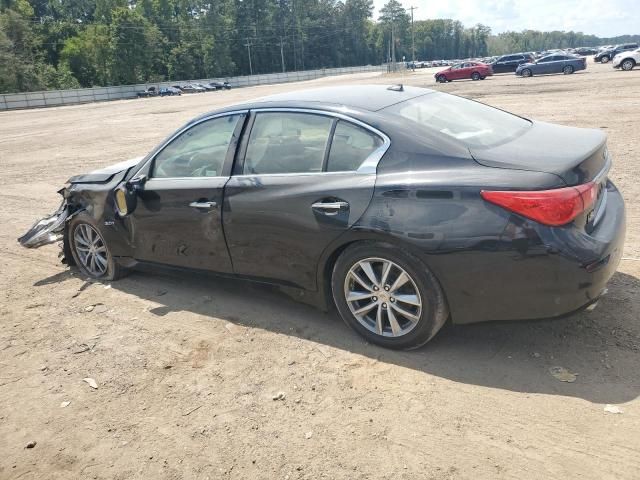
[(90, 252), (388, 296), (604, 59), (527, 72), (628, 64), (441, 79)]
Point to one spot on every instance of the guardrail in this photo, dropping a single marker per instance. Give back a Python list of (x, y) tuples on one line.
[(54, 98)]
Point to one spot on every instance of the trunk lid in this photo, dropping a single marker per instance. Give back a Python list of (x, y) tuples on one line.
[(577, 155)]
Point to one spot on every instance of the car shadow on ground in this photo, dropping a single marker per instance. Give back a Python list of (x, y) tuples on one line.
[(602, 347)]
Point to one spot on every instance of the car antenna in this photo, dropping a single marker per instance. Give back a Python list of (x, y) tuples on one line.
[(396, 88)]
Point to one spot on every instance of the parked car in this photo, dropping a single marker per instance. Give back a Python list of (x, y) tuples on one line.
[(509, 63), (170, 91), (566, 64), (399, 224), (472, 70), (627, 60), (220, 85), (149, 92), (585, 51), (604, 56), (189, 88), (205, 87)]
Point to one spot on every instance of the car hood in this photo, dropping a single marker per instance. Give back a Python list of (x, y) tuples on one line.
[(574, 154), (103, 175)]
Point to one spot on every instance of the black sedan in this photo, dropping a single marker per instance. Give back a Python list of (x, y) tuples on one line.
[(402, 206)]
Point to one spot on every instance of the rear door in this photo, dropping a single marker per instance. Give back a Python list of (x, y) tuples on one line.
[(302, 178), (178, 218)]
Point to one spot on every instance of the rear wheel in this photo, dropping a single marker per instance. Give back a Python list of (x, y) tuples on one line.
[(90, 252), (567, 70), (527, 72), (628, 64), (475, 76), (605, 59), (482, 78), (388, 296), (441, 79)]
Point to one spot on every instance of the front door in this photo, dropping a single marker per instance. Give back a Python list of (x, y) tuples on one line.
[(304, 178), (178, 218)]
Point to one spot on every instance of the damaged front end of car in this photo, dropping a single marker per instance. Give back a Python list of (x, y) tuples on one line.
[(49, 229)]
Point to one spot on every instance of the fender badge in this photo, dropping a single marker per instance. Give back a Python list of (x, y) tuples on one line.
[(108, 223)]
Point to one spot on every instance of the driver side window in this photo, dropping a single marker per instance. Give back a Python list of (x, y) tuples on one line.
[(199, 151)]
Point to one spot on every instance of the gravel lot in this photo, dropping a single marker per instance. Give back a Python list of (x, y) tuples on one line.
[(187, 368)]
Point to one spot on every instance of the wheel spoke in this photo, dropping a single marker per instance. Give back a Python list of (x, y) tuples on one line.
[(404, 313), (365, 309), (410, 299), (80, 238), (357, 278), (400, 281), (386, 268), (379, 326), (368, 270), (354, 296), (395, 326), (101, 261)]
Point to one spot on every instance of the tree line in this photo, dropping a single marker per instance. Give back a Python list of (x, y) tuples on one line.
[(50, 44)]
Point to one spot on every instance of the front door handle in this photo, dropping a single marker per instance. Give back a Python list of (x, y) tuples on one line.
[(203, 205), (330, 208)]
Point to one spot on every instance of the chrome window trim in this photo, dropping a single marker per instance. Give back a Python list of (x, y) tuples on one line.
[(162, 146), (368, 167)]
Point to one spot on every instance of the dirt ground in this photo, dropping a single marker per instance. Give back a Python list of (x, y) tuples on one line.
[(187, 368)]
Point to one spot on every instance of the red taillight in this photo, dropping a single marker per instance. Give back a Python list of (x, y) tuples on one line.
[(551, 207)]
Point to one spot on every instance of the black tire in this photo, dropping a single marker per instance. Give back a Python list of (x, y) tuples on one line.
[(475, 76), (605, 59), (434, 309), (628, 64), (441, 79), (526, 72), (482, 78), (113, 271), (567, 70)]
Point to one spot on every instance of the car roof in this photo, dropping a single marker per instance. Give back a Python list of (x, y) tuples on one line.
[(361, 97)]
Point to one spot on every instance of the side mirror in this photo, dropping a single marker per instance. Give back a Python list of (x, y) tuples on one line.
[(126, 195)]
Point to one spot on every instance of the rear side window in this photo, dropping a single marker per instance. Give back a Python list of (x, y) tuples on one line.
[(471, 123), (350, 147), (287, 143)]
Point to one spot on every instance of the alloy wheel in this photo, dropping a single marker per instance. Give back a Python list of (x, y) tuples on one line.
[(627, 65), (383, 297), (90, 249), (526, 72)]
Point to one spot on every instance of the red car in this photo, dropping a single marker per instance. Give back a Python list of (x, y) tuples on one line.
[(472, 70)]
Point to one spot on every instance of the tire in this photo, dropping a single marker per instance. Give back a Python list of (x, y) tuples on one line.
[(628, 64), (567, 70), (482, 78), (475, 76), (441, 79), (605, 59), (84, 233), (526, 72), (424, 303)]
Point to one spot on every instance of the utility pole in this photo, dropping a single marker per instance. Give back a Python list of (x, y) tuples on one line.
[(281, 53), (413, 37), (248, 45)]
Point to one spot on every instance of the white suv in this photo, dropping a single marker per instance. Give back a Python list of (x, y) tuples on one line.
[(627, 60)]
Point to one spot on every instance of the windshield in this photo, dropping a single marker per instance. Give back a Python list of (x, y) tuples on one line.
[(471, 123)]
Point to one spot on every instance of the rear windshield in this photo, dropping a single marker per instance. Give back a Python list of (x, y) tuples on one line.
[(471, 123)]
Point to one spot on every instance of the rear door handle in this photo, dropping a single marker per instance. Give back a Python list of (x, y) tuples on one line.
[(330, 208), (203, 205)]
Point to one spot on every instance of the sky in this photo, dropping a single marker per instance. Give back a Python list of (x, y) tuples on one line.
[(604, 18)]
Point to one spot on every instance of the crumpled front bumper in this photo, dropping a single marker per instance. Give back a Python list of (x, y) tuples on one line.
[(48, 230)]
